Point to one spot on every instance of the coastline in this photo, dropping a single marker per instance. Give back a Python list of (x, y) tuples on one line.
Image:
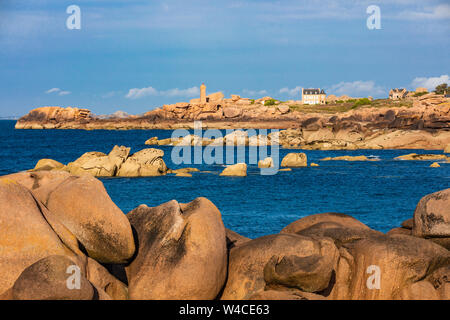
[(423, 124)]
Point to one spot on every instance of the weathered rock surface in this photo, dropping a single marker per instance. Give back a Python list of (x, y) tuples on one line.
[(247, 262), (52, 221), (447, 149), (400, 261), (290, 294), (346, 158), (144, 163), (99, 164), (415, 156), (329, 217), (118, 163), (435, 165), (80, 207), (84, 207), (100, 277), (26, 235), (432, 218), (295, 160), (49, 279), (265, 163), (47, 165), (182, 251), (234, 239)]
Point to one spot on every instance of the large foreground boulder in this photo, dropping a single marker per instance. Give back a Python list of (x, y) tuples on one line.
[(53, 278), (331, 217), (85, 208), (182, 251), (390, 267), (432, 218), (372, 265), (26, 235), (282, 260), (337, 226)]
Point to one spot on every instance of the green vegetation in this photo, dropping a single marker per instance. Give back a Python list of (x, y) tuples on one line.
[(333, 108), (441, 89), (419, 94), (252, 101), (270, 102), (361, 102)]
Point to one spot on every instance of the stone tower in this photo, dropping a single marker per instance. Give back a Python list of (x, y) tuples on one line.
[(203, 93)]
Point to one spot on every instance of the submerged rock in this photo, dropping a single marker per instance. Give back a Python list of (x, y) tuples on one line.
[(435, 165), (347, 158), (415, 156)]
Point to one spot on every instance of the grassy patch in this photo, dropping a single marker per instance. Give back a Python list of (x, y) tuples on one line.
[(270, 102), (361, 102)]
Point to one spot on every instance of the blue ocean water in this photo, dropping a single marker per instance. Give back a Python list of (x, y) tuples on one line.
[(381, 194)]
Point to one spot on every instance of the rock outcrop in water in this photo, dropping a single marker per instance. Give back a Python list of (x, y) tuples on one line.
[(53, 222), (118, 163)]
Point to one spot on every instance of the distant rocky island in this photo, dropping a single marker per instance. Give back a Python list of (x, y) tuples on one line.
[(419, 121)]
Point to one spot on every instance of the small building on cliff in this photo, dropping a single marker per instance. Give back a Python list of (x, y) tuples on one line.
[(313, 96), (215, 97), (398, 94)]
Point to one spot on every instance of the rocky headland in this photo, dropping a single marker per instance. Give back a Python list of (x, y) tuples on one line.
[(53, 221), (423, 122)]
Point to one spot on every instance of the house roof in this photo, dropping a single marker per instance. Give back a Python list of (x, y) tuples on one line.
[(313, 91)]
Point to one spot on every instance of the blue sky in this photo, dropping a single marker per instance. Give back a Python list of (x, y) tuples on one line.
[(137, 55)]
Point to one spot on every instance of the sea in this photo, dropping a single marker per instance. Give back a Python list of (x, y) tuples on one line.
[(381, 193)]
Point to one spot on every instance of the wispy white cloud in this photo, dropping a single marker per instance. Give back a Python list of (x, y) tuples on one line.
[(108, 95), (292, 92), (52, 90), (58, 91), (439, 12), (430, 83), (137, 93), (254, 92), (356, 88)]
